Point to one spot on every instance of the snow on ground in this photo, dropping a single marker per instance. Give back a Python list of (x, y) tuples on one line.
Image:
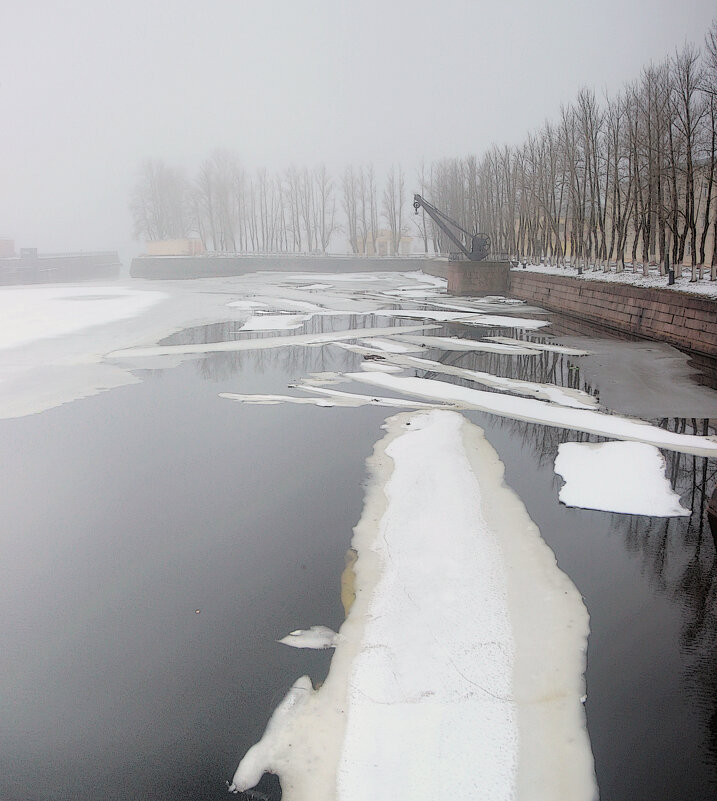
[(627, 477), (535, 411), (636, 278), (442, 685)]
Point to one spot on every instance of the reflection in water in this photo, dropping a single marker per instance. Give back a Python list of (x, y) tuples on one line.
[(676, 556)]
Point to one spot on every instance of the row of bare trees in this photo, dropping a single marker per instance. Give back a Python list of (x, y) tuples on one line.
[(630, 178), (295, 211)]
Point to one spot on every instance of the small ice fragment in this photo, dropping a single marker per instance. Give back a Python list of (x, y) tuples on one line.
[(318, 637)]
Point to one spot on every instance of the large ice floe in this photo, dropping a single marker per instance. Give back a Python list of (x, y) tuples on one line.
[(459, 669)]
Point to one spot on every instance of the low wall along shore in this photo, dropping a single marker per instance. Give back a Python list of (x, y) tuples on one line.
[(685, 320)]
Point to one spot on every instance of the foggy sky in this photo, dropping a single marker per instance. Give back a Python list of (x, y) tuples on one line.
[(89, 88)]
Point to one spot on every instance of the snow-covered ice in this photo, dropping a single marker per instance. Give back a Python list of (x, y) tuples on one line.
[(565, 396), (316, 637), (275, 322), (28, 314), (473, 318), (459, 669), (258, 344), (564, 349), (535, 411), (458, 344), (627, 477)]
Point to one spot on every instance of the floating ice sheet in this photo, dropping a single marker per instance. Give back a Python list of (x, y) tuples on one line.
[(317, 637), (275, 322), (487, 320), (627, 477), (540, 346), (536, 411), (322, 396), (260, 344), (458, 344), (459, 667), (565, 396)]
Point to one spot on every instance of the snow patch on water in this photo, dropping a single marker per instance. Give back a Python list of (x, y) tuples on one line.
[(264, 343), (464, 649), (275, 322), (488, 320), (564, 396), (626, 477), (536, 411), (458, 344), (316, 637)]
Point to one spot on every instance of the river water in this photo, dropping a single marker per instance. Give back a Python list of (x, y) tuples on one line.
[(158, 539)]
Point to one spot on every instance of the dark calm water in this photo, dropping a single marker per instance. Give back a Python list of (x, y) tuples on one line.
[(125, 513)]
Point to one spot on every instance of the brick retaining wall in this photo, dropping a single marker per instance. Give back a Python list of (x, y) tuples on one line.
[(687, 321)]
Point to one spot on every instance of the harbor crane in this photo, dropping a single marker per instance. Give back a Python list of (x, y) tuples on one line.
[(479, 243)]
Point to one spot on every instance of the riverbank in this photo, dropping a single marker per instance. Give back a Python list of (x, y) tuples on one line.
[(686, 320)]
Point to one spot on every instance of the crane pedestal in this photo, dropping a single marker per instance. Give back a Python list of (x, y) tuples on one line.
[(478, 278)]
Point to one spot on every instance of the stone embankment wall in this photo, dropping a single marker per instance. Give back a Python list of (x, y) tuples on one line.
[(685, 320), (164, 267)]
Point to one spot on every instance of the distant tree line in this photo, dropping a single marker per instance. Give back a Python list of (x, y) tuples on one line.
[(627, 179), (630, 178), (295, 211)]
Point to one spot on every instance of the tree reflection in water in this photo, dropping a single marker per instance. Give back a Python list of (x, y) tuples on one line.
[(677, 555)]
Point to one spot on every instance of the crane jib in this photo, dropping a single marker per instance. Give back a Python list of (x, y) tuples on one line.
[(478, 243)]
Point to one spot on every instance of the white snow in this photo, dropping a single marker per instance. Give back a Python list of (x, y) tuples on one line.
[(28, 314), (626, 477), (564, 349), (323, 396), (458, 672), (551, 392), (536, 411), (634, 278), (259, 344), (488, 320), (458, 344), (391, 345), (316, 637), (275, 322), (380, 367)]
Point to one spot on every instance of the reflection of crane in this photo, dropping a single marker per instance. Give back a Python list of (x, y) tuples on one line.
[(479, 243)]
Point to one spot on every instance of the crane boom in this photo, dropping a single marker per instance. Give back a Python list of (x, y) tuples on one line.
[(479, 243)]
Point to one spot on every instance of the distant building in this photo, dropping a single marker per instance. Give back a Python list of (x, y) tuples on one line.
[(7, 248), (192, 246), (384, 245)]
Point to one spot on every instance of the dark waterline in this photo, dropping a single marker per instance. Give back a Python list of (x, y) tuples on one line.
[(127, 512)]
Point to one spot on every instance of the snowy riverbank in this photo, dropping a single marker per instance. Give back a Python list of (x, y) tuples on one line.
[(632, 277)]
